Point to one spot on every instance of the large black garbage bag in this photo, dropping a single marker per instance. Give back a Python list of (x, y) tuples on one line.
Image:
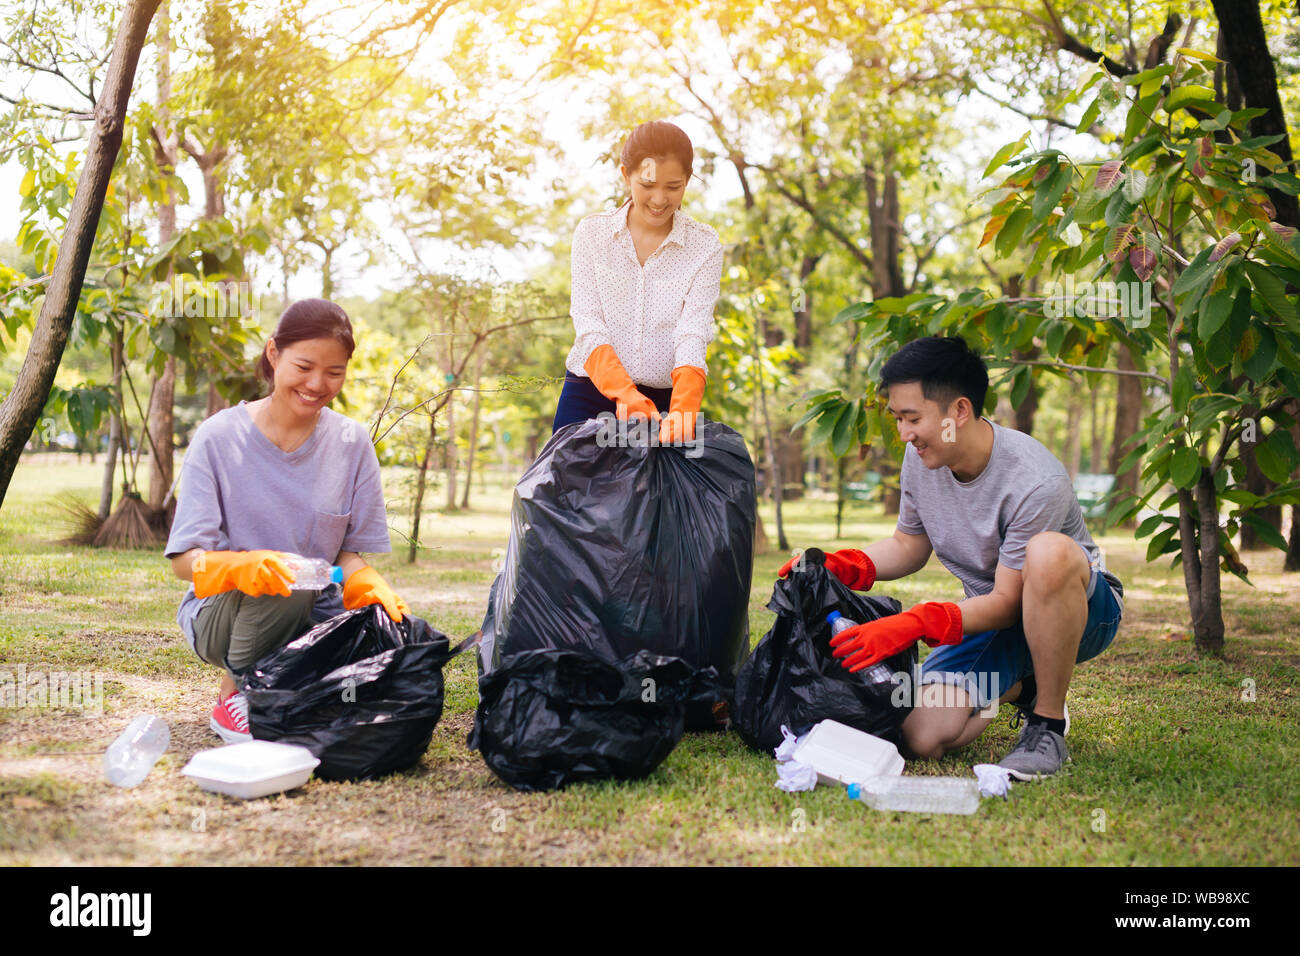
[(550, 717), (792, 678), (616, 549), (359, 691)]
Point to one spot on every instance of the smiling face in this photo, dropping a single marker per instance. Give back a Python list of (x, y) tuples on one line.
[(657, 186), (308, 375), (933, 430)]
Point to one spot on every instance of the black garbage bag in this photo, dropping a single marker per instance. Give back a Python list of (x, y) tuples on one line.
[(554, 716), (359, 691), (616, 549), (793, 679)]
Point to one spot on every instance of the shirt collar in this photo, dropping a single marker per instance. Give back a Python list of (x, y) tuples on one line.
[(677, 235)]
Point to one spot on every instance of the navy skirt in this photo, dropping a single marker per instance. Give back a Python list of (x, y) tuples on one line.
[(581, 400)]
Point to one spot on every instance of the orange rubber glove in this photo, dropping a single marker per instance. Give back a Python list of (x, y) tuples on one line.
[(932, 621), (851, 566), (253, 572), (611, 380), (367, 586), (684, 406)]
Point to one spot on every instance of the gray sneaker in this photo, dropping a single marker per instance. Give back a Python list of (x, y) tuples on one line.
[(1038, 753), (1024, 704)]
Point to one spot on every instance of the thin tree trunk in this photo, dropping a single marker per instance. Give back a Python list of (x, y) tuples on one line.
[(450, 458), (22, 407), (1073, 435), (773, 465), (162, 418), (1128, 416), (1094, 450), (1028, 407), (1209, 624), (114, 430), (421, 473), (473, 432)]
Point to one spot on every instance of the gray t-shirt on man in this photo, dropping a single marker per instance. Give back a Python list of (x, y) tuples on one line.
[(240, 492), (975, 525)]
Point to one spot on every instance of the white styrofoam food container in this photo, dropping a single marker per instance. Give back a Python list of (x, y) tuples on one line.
[(843, 755), (251, 769)]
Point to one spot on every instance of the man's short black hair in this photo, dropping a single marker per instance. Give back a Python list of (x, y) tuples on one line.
[(945, 367)]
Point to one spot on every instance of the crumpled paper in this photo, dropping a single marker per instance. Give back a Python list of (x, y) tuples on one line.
[(994, 781)]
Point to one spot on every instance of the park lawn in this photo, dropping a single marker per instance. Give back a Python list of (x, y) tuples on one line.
[(1177, 760)]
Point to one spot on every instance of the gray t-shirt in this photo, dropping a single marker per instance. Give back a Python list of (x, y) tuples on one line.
[(975, 525), (240, 492)]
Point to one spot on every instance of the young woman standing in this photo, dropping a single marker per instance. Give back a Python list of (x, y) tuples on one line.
[(280, 474), (645, 279)]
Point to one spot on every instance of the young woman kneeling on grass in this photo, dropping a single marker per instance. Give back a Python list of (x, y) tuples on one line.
[(280, 474)]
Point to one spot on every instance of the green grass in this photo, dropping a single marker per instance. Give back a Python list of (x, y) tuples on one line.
[(1172, 763)]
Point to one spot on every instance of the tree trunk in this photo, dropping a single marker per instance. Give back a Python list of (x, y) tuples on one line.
[(1128, 416), (1241, 34), (1094, 450), (421, 474), (776, 479), (473, 432), (162, 420), (1073, 434), (450, 458), (1029, 406), (1257, 483), (162, 417), (22, 407), (1208, 625), (114, 429)]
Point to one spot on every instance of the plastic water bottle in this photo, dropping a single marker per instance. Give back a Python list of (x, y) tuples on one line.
[(877, 673), (919, 794), (312, 574), (132, 755)]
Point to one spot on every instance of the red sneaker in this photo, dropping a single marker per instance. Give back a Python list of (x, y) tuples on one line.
[(230, 719)]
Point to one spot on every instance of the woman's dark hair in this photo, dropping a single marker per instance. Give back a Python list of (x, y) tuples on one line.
[(308, 319), (657, 138), (945, 367)]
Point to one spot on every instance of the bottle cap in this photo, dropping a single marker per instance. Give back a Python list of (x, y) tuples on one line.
[(854, 790), (336, 574), (832, 617)]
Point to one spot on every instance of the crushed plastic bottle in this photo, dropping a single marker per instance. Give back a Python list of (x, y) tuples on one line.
[(132, 755), (875, 674), (312, 574), (918, 794)]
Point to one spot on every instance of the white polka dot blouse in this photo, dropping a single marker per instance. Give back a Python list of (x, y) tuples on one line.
[(657, 316)]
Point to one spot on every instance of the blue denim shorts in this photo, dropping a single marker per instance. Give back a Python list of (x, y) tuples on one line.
[(989, 663)]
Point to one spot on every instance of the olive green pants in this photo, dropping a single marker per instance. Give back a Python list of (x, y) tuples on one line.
[(234, 630)]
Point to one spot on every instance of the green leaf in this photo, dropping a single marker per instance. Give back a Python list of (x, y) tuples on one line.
[(1198, 271), (1283, 182), (1002, 155), (1024, 378), (1184, 467), (1215, 310), (1184, 387), (1163, 543), (1050, 192), (1192, 97), (1134, 185), (1150, 525), (1271, 290), (1265, 530), (845, 429), (1119, 209), (1259, 362), (852, 313), (1009, 236), (1276, 456)]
